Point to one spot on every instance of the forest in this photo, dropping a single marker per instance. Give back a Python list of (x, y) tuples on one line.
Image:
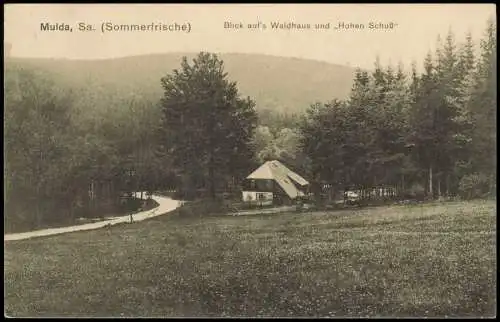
[(74, 151), (432, 133)]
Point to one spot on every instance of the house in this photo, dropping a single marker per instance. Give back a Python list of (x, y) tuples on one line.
[(273, 184)]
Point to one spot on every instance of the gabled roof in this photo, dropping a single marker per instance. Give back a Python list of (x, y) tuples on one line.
[(277, 171)]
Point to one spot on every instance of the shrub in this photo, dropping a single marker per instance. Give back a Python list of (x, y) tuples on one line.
[(476, 185), (130, 205), (202, 207), (416, 191)]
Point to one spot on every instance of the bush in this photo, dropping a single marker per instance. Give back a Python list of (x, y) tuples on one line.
[(476, 185), (202, 207), (149, 204), (130, 205), (416, 191)]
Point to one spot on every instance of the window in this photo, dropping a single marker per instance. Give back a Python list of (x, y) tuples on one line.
[(264, 196)]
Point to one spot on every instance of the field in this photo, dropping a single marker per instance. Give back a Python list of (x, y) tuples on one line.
[(399, 261)]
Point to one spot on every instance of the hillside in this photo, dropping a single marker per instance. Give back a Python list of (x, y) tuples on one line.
[(278, 83)]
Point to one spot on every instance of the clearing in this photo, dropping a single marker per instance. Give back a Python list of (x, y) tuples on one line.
[(399, 261)]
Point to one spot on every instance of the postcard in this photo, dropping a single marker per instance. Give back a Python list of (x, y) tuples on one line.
[(250, 160)]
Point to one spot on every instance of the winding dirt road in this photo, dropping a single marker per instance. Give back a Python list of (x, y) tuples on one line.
[(165, 205)]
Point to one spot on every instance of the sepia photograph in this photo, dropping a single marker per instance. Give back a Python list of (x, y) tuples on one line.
[(250, 160)]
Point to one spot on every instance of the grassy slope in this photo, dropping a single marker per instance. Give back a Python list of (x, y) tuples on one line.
[(278, 83), (431, 260)]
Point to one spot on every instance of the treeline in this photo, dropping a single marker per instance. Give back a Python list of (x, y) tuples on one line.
[(431, 133), (72, 153)]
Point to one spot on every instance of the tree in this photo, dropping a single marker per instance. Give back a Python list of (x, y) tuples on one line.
[(451, 124), (323, 136), (37, 145), (392, 128), (288, 142), (422, 130), (263, 139), (63, 160), (207, 128), (438, 125), (438, 130), (483, 105)]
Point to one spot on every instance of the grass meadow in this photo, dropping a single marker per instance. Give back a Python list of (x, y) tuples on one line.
[(431, 260)]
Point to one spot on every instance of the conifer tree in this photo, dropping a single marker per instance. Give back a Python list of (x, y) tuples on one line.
[(207, 127)]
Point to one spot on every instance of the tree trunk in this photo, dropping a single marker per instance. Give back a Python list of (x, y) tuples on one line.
[(38, 213), (72, 213), (431, 192), (92, 198), (185, 186), (447, 192), (38, 199), (211, 177), (439, 186), (212, 185)]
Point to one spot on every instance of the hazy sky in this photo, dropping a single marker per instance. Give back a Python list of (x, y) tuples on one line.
[(415, 33)]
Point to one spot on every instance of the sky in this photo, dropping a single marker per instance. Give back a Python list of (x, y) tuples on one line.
[(416, 27)]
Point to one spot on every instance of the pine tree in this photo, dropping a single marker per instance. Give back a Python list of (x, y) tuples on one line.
[(483, 104), (397, 102), (380, 82), (325, 140), (463, 139), (422, 121), (207, 127), (451, 128), (468, 64)]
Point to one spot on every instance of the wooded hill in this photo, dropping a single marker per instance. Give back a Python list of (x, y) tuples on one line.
[(275, 83)]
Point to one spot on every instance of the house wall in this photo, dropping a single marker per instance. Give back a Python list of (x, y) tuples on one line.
[(269, 192), (258, 197)]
